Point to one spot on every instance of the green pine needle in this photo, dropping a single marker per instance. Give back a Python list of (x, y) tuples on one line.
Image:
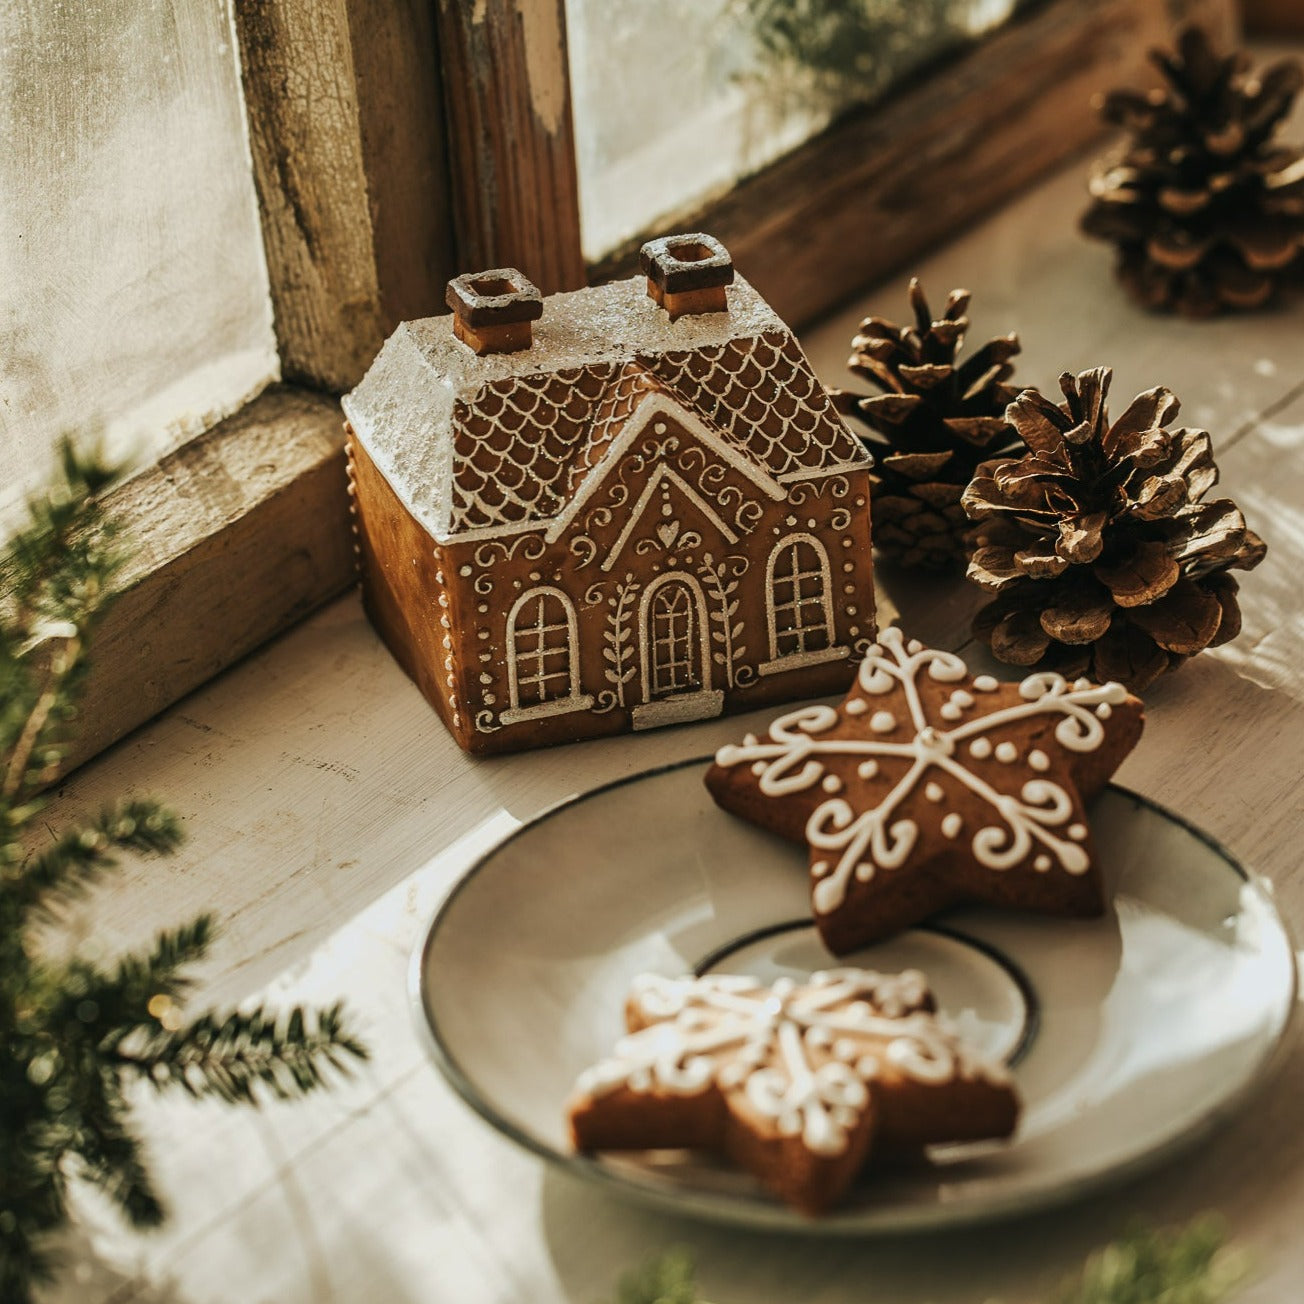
[(1188, 1265), (669, 1279), (244, 1055), (63, 872), (74, 1034)]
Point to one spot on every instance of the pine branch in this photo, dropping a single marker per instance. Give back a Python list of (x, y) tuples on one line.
[(113, 1160), (24, 1261), (669, 1279), (55, 584), (35, 575), (1189, 1265), (74, 1034), (16, 774), (248, 1054), (81, 856), (145, 981), (136, 999)]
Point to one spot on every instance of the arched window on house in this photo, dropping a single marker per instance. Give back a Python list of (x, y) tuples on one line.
[(800, 603), (542, 655), (675, 654), (675, 640)]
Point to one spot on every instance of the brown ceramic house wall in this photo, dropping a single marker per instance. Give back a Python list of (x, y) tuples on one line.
[(485, 578), (401, 590)]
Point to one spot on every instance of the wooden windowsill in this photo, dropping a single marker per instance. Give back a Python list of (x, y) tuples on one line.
[(245, 530), (233, 538)]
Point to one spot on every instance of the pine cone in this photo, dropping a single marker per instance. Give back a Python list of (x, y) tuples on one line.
[(1103, 557), (1207, 213), (931, 427)]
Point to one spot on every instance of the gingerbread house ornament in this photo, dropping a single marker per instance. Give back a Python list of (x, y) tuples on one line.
[(628, 506)]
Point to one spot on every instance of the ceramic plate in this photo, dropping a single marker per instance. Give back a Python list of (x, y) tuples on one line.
[(1130, 1035)]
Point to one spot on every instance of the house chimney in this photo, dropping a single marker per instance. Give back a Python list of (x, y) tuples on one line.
[(687, 273), (492, 311)]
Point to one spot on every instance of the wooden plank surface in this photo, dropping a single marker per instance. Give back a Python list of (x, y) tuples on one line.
[(234, 538), (347, 144), (887, 183), (1273, 17), (511, 147), (329, 812), (403, 139)]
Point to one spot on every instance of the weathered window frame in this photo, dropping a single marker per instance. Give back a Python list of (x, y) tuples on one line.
[(1270, 18), (396, 142), (245, 530), (875, 189)]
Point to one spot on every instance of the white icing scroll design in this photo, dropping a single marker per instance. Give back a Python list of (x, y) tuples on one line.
[(804, 490), (792, 759), (530, 546), (584, 550), (802, 1056)]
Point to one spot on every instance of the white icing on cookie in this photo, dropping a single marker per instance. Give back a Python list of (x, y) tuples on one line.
[(1028, 820), (803, 1056)]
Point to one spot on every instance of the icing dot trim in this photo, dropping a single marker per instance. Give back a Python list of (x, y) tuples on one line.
[(802, 1057), (1030, 825)]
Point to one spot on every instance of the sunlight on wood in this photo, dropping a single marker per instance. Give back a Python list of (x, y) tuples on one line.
[(133, 292)]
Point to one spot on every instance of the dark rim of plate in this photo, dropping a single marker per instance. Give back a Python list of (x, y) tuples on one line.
[(759, 1210)]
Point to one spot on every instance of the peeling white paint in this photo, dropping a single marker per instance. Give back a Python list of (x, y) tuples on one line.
[(545, 62)]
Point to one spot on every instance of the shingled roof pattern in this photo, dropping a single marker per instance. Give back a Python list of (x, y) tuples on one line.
[(523, 445), (515, 441), (736, 386), (528, 428), (624, 393)]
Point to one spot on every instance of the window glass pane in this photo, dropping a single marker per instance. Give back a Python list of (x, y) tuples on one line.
[(133, 291), (676, 100)]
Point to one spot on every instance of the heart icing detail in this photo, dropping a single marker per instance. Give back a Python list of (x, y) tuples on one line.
[(668, 532)]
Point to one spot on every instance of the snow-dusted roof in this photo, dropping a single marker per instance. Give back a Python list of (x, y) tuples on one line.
[(506, 439)]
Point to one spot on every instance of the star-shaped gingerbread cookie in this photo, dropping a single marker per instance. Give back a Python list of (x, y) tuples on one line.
[(797, 1084), (930, 786)]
